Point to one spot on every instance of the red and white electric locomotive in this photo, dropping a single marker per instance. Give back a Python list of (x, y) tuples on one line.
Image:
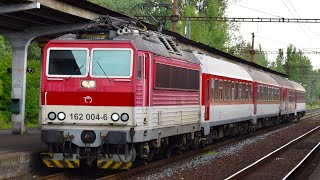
[(108, 102)]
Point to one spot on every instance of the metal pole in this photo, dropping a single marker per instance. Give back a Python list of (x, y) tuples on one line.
[(174, 11), (252, 48)]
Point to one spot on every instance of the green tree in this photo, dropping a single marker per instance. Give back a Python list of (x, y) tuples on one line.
[(122, 6), (5, 95), (279, 63)]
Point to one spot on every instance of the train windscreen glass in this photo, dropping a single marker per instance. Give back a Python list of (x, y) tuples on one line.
[(67, 62), (111, 63)]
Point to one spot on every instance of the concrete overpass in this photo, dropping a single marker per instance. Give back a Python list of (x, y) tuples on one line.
[(21, 21)]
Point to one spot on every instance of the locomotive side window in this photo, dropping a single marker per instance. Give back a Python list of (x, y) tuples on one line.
[(171, 77), (66, 62), (139, 70), (111, 62)]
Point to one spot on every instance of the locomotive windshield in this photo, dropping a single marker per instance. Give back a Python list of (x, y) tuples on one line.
[(67, 62), (111, 62)]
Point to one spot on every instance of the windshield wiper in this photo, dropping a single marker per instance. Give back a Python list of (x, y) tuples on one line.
[(73, 73), (104, 71)]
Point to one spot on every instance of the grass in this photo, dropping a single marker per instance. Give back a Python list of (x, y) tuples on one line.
[(9, 126), (308, 106)]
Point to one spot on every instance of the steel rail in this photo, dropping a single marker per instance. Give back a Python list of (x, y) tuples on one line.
[(270, 154), (58, 176), (301, 162)]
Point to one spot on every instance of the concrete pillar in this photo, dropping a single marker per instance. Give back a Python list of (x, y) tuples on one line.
[(19, 65)]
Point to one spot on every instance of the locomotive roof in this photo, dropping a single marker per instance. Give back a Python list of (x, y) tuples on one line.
[(220, 67), (261, 77), (159, 45)]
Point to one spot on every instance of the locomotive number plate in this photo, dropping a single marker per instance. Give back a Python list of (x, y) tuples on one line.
[(80, 116)]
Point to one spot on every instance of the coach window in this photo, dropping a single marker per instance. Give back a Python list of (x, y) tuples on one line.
[(232, 92), (247, 91), (237, 91), (212, 89), (220, 90), (244, 92), (257, 93), (261, 93), (216, 86), (240, 91), (207, 89), (265, 93), (250, 91), (225, 86)]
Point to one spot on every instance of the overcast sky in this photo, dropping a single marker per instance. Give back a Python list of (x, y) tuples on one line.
[(273, 36)]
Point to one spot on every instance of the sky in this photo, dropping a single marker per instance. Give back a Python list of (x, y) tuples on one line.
[(274, 36)]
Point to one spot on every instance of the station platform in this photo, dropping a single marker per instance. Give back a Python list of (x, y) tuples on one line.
[(19, 154)]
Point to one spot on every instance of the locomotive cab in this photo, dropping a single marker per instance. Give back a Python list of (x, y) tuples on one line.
[(87, 103)]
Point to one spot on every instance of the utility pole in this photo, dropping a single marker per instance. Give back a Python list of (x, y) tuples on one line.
[(252, 48), (174, 16)]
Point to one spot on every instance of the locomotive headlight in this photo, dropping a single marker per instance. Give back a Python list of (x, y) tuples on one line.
[(61, 116), (124, 117), (84, 84), (92, 84), (115, 117), (88, 84), (52, 116)]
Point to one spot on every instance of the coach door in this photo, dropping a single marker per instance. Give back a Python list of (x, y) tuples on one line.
[(254, 95), (207, 99)]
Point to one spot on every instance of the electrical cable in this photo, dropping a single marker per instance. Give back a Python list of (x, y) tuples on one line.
[(300, 18), (255, 10), (298, 24)]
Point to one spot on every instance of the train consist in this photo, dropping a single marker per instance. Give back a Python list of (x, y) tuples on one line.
[(135, 96)]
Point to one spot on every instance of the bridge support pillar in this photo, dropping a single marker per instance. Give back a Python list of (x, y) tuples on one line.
[(19, 66)]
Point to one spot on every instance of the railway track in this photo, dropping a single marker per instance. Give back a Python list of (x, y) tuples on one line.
[(57, 176), (283, 162), (142, 169)]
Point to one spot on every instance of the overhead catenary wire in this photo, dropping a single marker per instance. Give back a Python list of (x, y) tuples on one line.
[(300, 17), (304, 32), (255, 10)]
